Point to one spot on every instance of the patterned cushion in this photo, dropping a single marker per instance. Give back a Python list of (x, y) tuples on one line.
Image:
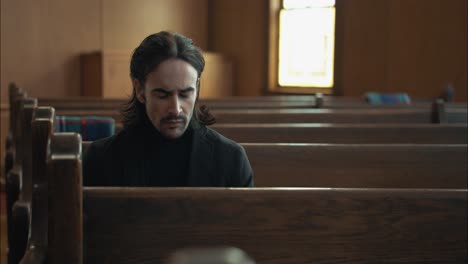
[(90, 127), (387, 98)]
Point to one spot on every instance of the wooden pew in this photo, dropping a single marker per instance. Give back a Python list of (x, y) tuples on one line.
[(143, 225), (450, 113), (18, 183), (221, 103), (16, 96), (89, 101), (352, 115), (293, 109), (414, 116), (278, 101), (356, 102), (343, 133), (13, 154), (346, 133), (465, 170), (278, 225), (42, 129), (357, 165)]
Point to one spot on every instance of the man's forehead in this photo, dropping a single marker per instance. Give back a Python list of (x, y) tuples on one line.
[(174, 75), (175, 66)]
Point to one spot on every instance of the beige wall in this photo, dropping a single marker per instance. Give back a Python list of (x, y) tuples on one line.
[(41, 40)]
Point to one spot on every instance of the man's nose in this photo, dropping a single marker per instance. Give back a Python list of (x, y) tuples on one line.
[(175, 107)]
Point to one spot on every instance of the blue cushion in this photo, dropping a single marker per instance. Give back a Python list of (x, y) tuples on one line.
[(90, 127), (387, 98)]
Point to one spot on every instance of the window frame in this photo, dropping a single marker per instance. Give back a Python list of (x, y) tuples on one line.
[(275, 7)]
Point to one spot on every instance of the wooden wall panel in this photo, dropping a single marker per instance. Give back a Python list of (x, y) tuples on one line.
[(428, 45), (217, 77), (416, 46), (362, 46), (239, 29)]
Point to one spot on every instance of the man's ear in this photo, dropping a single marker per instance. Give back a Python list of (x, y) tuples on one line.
[(139, 91)]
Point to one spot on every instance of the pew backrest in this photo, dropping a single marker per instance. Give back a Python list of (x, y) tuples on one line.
[(415, 116), (346, 133), (288, 101), (64, 199), (277, 225), (324, 116), (358, 165)]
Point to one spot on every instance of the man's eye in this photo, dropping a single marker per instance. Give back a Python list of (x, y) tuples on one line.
[(162, 95), (186, 94)]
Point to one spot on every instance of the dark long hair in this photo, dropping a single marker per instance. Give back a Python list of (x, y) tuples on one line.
[(152, 51)]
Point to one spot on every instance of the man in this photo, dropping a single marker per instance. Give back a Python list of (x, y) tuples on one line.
[(165, 141)]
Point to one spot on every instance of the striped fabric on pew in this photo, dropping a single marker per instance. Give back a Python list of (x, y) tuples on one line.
[(90, 127)]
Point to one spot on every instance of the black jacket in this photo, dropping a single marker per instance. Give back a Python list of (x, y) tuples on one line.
[(215, 161)]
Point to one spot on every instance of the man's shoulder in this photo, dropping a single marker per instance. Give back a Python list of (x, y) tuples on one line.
[(232, 158), (102, 145), (220, 141), (105, 142), (108, 144)]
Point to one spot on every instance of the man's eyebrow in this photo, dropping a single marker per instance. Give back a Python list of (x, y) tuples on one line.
[(188, 89), (161, 90), (164, 91)]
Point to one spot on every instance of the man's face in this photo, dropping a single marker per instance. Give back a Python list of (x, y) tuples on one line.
[(169, 96)]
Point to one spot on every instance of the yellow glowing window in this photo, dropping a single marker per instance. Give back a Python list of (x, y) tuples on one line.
[(306, 43)]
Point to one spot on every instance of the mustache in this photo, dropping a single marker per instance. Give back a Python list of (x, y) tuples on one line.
[(174, 118)]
